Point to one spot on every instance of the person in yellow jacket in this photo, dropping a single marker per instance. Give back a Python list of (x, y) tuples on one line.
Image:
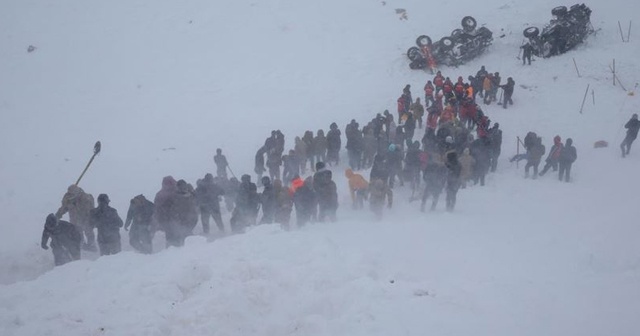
[(358, 187)]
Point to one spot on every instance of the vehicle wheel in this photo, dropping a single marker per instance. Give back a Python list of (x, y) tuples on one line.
[(469, 23), (531, 32), (456, 32), (423, 40), (446, 43), (559, 11), (413, 53)]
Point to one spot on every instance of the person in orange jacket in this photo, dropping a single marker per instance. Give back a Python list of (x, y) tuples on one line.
[(447, 115), (358, 187)]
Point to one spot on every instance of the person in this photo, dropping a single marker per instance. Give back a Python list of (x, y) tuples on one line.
[(304, 199), (65, 240), (327, 193), (300, 150), (291, 167), (412, 165), (355, 145), (208, 195), (418, 111), (481, 75), (508, 92), (139, 218), (247, 205), (380, 169), (259, 162), (78, 204), (274, 161), (554, 154), (568, 156), (108, 223), (535, 152), (467, 162), (495, 137), (481, 152), (370, 143), (495, 85), (284, 204), (221, 163), (357, 188), (268, 201), (320, 146), (379, 191), (394, 164), (164, 211), (428, 94), (434, 175), (453, 179), (185, 208), (487, 87), (632, 126), (527, 51), (310, 149), (438, 81), (333, 144)]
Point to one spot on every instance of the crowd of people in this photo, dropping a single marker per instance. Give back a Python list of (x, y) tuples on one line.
[(458, 148)]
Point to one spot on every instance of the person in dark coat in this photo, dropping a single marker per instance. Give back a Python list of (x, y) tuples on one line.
[(480, 76), (355, 144), (291, 167), (108, 223), (65, 240), (379, 169), (508, 92), (221, 163), (284, 204), (208, 195), (495, 137), (310, 149), (434, 176), (394, 164), (481, 152), (304, 199), (186, 210), (554, 155), (274, 161), (247, 205), (453, 179), (140, 218), (409, 127), (632, 126), (527, 51), (333, 145), (268, 201), (568, 156), (327, 193)]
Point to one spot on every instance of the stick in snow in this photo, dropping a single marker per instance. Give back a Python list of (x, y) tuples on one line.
[(576, 66), (629, 33), (620, 27), (584, 98), (593, 95)]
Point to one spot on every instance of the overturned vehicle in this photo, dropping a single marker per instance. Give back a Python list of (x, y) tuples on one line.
[(463, 45), (568, 28)]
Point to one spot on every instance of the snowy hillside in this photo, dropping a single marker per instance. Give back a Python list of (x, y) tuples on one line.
[(162, 85)]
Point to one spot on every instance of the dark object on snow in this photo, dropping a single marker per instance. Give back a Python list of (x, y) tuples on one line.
[(65, 240), (568, 29), (31, 48), (463, 45)]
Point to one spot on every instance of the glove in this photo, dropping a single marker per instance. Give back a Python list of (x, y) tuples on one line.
[(44, 246)]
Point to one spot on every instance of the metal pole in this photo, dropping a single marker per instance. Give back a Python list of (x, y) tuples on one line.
[(620, 27), (629, 33)]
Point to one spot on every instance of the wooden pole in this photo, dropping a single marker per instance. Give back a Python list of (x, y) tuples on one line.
[(576, 66), (629, 33), (584, 98), (593, 95)]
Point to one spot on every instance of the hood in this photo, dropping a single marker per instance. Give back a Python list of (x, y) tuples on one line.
[(348, 173), (169, 183)]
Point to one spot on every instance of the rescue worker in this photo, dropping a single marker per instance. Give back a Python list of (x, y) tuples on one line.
[(78, 204), (65, 240), (379, 191), (108, 223), (140, 218), (357, 188), (632, 126)]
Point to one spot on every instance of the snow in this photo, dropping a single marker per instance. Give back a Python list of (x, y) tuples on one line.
[(516, 257)]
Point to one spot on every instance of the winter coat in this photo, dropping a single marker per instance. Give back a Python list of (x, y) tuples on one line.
[(247, 200), (378, 192), (164, 201), (78, 204), (325, 188), (305, 199), (320, 144), (417, 109), (284, 203), (487, 84), (208, 193), (140, 212), (536, 152), (333, 140), (62, 235), (356, 182), (568, 154), (108, 223), (300, 149), (434, 176), (259, 161), (269, 203), (310, 145), (632, 126), (380, 170), (554, 153), (185, 209)]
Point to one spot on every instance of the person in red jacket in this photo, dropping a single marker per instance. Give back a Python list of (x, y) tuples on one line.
[(459, 89), (483, 126), (401, 107), (447, 89), (428, 94), (447, 115), (553, 157), (432, 120), (438, 81)]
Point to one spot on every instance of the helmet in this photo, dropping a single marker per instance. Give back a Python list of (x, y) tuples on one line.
[(392, 147), (448, 139), (320, 165), (265, 180), (634, 116)]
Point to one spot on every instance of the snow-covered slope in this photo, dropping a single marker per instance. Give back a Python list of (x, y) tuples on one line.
[(517, 256)]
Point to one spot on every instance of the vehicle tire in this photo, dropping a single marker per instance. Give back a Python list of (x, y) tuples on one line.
[(559, 11), (531, 32), (456, 32), (414, 53), (446, 43), (423, 40), (484, 32), (469, 23)]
